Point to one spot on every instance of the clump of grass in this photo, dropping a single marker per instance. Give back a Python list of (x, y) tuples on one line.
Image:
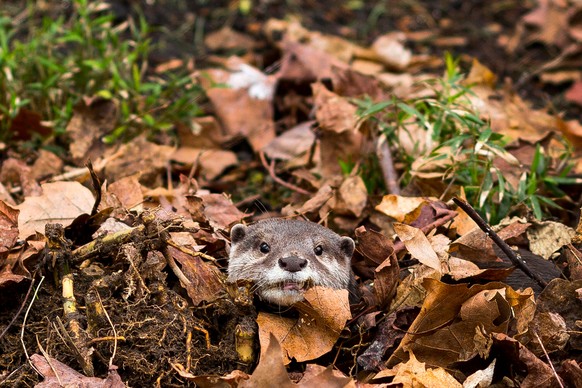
[(47, 64), (460, 149)]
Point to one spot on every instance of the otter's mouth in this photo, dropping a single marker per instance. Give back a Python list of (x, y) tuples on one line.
[(289, 285)]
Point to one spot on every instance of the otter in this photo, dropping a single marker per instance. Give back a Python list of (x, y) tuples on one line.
[(284, 258)]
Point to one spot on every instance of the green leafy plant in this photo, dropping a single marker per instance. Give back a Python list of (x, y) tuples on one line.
[(47, 64), (460, 149)]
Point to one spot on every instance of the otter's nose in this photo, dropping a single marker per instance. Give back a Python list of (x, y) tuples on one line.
[(292, 263)]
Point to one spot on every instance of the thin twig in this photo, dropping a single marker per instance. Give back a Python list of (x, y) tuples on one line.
[(24, 324), (271, 169), (387, 165), (511, 254), (548, 358)]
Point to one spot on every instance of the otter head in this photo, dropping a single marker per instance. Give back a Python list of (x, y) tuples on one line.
[(283, 258)]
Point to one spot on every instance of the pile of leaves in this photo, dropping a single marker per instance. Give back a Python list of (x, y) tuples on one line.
[(114, 272)]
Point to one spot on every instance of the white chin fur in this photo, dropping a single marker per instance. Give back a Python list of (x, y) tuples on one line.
[(281, 297)]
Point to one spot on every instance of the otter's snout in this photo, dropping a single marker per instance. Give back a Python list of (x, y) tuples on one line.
[(292, 263)]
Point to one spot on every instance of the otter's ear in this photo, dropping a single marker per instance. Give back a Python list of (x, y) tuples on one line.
[(237, 233), (347, 246)]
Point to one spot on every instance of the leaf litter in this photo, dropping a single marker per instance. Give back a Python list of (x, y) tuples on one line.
[(128, 273)]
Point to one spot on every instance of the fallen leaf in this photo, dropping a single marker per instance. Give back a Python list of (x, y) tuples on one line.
[(228, 39), (351, 197), (61, 202), (47, 164), (414, 373), (547, 237), (270, 372), (212, 162), (391, 51), (142, 157), (418, 245), (57, 374), (8, 226), (574, 93), (538, 375), (322, 316), (243, 116), (481, 378), (127, 191), (454, 322), (398, 207), (92, 119), (205, 281), (291, 143)]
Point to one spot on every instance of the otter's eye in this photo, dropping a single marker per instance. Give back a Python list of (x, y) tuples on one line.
[(318, 250), (264, 247)]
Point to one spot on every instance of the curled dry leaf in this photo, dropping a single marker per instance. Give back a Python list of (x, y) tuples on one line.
[(292, 143), (414, 373), (351, 197), (547, 237), (418, 245), (391, 51), (481, 378), (398, 207), (322, 316), (456, 320), (206, 282), (8, 226), (244, 116), (61, 202)]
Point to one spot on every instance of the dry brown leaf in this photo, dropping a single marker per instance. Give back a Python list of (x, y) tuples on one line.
[(57, 374), (319, 376), (244, 116), (481, 378), (322, 316), (16, 172), (391, 51), (142, 157), (333, 112), (92, 119), (316, 202), (454, 322), (547, 237), (127, 191), (351, 197), (418, 245), (8, 226), (574, 93), (538, 375), (551, 19), (480, 75), (28, 124), (47, 164), (61, 202), (461, 269), (228, 39), (205, 132), (291, 143), (215, 209), (414, 373), (206, 282), (398, 207), (563, 297), (212, 162)]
